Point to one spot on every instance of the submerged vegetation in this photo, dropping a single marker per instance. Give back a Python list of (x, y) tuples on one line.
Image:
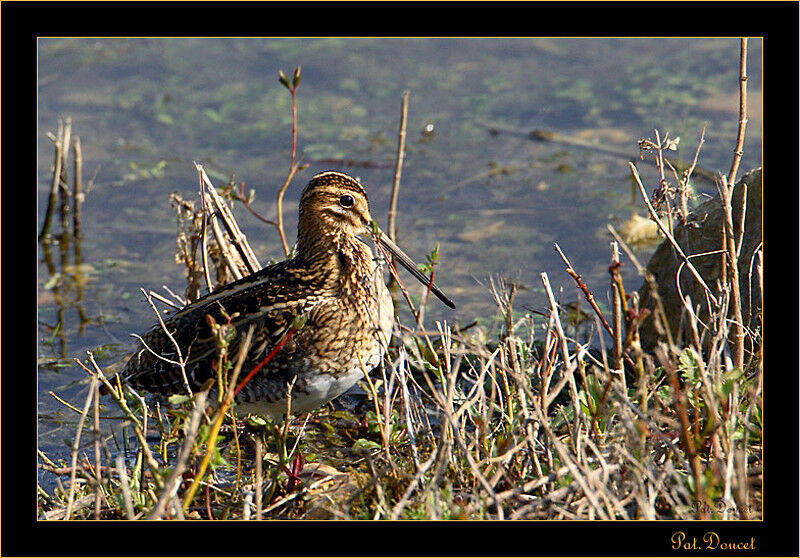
[(549, 415)]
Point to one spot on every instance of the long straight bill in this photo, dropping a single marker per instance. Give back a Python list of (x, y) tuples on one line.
[(409, 264)]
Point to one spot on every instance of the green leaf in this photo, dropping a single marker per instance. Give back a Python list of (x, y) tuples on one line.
[(52, 282), (299, 321), (178, 399), (213, 115), (227, 333), (255, 421), (363, 444)]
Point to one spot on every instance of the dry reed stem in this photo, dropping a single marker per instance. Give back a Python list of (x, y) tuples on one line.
[(204, 237), (77, 187), (64, 193), (54, 186), (616, 296), (738, 150), (726, 197), (237, 237), (127, 501)]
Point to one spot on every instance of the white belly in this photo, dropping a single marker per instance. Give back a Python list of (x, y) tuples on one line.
[(322, 390)]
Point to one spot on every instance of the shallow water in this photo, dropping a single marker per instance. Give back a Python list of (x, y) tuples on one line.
[(146, 108)]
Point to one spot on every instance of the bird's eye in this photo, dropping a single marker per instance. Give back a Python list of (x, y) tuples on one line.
[(346, 201)]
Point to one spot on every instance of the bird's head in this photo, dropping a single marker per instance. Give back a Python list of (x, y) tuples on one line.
[(334, 212)]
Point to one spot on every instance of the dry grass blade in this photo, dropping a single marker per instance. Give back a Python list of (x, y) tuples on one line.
[(76, 445), (170, 490), (122, 471)]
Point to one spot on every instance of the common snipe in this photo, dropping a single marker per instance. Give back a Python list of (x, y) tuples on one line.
[(333, 281)]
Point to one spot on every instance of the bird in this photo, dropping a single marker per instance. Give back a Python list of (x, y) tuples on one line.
[(332, 284)]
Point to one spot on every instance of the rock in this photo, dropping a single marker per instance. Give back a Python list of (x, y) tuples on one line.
[(702, 233), (327, 500)]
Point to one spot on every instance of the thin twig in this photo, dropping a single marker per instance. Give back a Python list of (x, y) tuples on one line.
[(97, 465), (294, 164), (671, 239), (139, 427), (569, 368), (246, 203), (686, 436), (586, 292), (229, 396), (589, 296), (75, 446), (181, 362), (279, 207), (391, 227)]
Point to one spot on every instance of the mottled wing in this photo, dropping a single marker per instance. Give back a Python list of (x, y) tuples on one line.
[(267, 299)]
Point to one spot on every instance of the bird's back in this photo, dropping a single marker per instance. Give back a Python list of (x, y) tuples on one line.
[(269, 299)]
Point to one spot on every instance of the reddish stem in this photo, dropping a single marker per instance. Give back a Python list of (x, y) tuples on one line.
[(241, 197), (266, 359)]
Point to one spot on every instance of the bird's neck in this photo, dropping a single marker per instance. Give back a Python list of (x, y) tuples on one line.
[(335, 257)]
